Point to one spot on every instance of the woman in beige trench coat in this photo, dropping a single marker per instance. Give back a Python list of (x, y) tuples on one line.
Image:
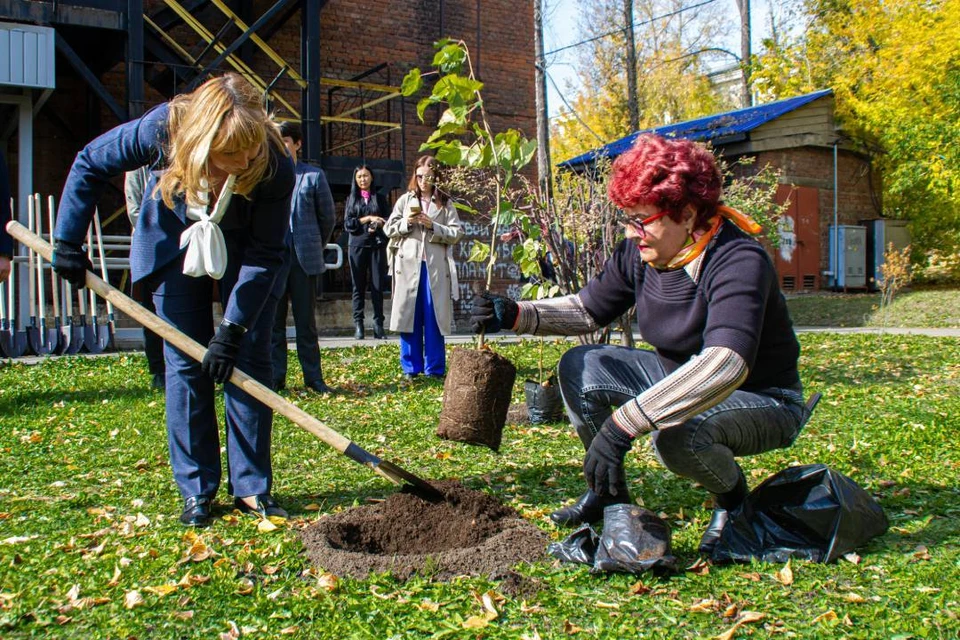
[(422, 229)]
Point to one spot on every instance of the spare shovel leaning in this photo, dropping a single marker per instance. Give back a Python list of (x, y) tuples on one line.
[(295, 414)]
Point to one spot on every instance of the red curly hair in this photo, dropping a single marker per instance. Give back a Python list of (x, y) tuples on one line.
[(669, 174)]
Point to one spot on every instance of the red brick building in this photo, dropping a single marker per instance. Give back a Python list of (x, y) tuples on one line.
[(334, 64)]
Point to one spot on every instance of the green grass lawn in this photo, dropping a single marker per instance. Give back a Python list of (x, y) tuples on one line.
[(90, 546), (931, 307)]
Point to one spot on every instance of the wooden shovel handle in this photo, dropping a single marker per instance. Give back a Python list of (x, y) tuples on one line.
[(193, 348)]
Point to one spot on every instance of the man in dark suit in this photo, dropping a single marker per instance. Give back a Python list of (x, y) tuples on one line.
[(133, 186), (312, 216)]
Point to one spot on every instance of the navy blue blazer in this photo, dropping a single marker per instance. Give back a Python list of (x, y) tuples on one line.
[(256, 226), (312, 217)]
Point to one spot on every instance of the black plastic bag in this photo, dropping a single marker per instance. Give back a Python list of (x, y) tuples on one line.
[(634, 540), (544, 403), (808, 512), (579, 547)]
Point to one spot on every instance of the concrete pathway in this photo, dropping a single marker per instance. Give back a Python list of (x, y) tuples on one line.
[(339, 342)]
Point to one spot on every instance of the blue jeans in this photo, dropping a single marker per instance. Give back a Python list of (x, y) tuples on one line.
[(596, 379)]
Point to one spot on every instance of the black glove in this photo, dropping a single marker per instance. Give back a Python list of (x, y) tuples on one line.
[(492, 312), (221, 354), (603, 465), (71, 262)]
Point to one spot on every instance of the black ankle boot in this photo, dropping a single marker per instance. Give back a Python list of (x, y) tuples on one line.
[(725, 503), (588, 508), (358, 333), (378, 332)]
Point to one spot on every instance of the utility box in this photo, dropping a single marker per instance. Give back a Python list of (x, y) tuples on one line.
[(27, 56), (848, 266), (881, 233)]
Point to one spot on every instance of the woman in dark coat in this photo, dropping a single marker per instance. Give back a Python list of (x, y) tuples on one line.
[(363, 218)]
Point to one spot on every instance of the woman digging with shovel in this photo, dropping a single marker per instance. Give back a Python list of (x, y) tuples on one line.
[(216, 207), (722, 380)]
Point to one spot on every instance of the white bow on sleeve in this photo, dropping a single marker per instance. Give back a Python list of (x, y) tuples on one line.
[(206, 248)]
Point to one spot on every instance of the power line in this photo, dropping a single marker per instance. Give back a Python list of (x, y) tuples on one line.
[(572, 110), (635, 24)]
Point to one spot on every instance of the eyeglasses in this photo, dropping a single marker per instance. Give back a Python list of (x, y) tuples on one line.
[(424, 176), (639, 226)]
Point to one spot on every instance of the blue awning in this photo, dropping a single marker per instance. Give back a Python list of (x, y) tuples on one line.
[(719, 129)]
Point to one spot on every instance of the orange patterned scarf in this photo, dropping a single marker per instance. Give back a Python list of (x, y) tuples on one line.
[(699, 240)]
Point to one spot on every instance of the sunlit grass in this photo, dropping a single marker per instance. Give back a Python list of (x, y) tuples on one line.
[(90, 545)]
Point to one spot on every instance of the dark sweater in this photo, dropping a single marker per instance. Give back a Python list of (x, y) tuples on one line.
[(736, 304)]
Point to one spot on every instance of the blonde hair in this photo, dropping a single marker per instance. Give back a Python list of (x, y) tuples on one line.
[(223, 115)]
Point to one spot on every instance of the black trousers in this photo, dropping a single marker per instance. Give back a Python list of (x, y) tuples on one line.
[(152, 343), (368, 266)]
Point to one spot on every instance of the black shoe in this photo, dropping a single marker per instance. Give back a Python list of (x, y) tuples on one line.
[(712, 535), (358, 333), (438, 376), (266, 506), (378, 332), (159, 382), (587, 509), (279, 385), (319, 386), (196, 511)]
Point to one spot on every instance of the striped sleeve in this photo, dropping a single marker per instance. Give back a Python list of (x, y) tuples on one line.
[(565, 316), (703, 382)]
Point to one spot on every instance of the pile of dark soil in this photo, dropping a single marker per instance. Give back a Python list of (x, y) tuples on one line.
[(469, 533)]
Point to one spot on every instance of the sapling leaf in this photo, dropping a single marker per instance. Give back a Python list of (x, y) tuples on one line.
[(412, 83), (479, 252)]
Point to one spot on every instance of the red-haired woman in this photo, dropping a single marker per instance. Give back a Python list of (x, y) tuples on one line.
[(722, 379)]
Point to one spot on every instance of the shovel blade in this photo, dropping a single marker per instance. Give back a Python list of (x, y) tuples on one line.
[(418, 485)]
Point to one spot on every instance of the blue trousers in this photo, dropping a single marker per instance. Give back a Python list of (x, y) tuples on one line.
[(596, 379), (423, 349), (192, 431)]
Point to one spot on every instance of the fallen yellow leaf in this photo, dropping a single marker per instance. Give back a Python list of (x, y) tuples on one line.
[(132, 599), (745, 617), (266, 526), (162, 590), (785, 575), (475, 622), (828, 616)]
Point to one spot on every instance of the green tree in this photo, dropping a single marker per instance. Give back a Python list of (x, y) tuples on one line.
[(672, 48), (895, 68)]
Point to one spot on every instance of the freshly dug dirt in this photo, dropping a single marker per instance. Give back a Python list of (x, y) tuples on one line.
[(476, 397), (469, 533)]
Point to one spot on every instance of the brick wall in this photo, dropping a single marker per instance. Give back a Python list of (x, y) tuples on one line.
[(355, 37)]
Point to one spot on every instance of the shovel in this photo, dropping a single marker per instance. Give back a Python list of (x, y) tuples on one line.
[(63, 335), (34, 340), (72, 332), (49, 337), (192, 348), (14, 342), (105, 333), (95, 337)]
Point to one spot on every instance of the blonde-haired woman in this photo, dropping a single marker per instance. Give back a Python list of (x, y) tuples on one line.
[(215, 207), (425, 225)]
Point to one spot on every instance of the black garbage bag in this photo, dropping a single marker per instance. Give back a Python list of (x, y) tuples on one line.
[(809, 512), (544, 403), (634, 540), (579, 547)]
